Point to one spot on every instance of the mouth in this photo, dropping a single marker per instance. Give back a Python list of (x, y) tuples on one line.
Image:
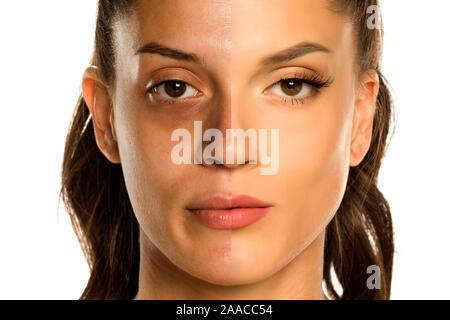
[(229, 213)]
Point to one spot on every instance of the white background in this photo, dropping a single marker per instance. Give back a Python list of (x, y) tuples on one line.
[(45, 46)]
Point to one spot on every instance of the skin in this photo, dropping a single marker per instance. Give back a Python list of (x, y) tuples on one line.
[(281, 255)]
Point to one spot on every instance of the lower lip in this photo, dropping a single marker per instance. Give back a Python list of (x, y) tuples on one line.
[(230, 218)]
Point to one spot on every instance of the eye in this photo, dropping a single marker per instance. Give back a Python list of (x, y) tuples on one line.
[(174, 89), (292, 88)]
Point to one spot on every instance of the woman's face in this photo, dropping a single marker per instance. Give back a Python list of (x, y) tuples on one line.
[(232, 83)]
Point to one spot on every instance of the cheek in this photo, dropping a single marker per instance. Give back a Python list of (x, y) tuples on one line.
[(319, 163), (145, 148), (159, 191), (308, 188), (317, 151), (314, 162), (150, 175), (141, 157)]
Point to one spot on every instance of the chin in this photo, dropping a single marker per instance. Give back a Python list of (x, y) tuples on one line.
[(228, 269), (251, 268)]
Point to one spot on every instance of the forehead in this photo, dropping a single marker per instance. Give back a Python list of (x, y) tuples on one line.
[(219, 28), (285, 22), (192, 25)]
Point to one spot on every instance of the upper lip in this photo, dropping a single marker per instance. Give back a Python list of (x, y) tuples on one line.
[(221, 203)]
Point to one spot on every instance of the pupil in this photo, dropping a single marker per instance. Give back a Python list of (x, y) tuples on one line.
[(175, 88)]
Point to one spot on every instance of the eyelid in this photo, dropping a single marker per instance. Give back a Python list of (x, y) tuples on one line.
[(296, 99), (303, 82), (176, 73), (157, 98), (155, 83), (161, 84), (315, 80)]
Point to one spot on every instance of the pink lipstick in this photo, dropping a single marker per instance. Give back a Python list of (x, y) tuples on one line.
[(229, 213)]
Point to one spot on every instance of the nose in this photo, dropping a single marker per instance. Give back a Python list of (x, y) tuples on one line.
[(224, 145)]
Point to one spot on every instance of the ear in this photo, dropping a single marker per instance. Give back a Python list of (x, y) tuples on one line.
[(99, 102), (363, 116)]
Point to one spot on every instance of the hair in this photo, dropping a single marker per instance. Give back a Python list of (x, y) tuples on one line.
[(95, 196)]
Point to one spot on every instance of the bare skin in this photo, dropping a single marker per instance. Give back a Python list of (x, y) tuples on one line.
[(323, 132)]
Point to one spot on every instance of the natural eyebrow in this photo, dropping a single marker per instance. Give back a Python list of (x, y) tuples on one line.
[(293, 52), (156, 48)]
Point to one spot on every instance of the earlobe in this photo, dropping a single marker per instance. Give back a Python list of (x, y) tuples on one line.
[(364, 111), (98, 100)]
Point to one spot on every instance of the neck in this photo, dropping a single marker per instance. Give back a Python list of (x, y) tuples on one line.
[(300, 279)]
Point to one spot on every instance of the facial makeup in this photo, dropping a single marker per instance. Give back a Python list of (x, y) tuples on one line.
[(229, 213)]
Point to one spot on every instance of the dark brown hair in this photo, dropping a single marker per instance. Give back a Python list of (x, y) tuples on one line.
[(94, 193)]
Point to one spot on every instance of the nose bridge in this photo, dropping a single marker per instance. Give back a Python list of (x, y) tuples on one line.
[(222, 110), (218, 121), (240, 138), (228, 115)]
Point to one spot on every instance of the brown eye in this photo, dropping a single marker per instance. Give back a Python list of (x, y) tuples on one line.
[(175, 89), (291, 87)]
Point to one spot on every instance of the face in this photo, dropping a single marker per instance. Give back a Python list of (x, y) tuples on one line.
[(235, 75)]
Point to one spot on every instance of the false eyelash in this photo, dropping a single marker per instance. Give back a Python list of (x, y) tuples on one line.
[(316, 80)]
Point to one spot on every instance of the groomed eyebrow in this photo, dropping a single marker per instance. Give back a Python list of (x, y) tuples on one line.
[(293, 52), (156, 48)]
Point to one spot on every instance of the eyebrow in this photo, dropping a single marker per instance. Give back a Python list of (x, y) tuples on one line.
[(293, 52), (156, 48)]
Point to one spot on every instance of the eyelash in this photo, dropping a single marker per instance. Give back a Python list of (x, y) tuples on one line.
[(316, 81)]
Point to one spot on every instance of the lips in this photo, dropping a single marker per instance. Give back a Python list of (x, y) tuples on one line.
[(229, 213)]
